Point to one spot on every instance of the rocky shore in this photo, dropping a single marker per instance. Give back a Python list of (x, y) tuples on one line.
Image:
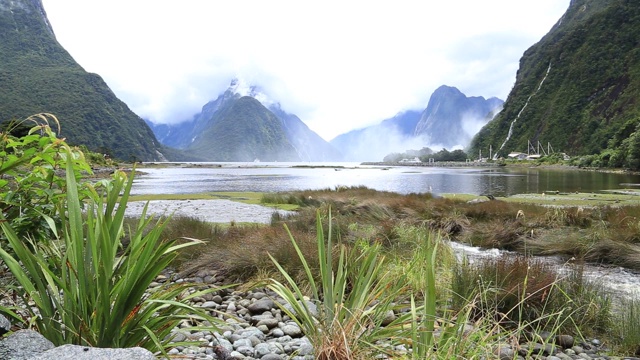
[(256, 328)]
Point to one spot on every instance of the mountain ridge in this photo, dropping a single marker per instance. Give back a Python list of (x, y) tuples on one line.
[(443, 123), (39, 75), (576, 89), (243, 130), (307, 145)]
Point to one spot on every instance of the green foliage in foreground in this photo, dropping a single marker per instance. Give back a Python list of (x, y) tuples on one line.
[(348, 322), (347, 314), (89, 288), (29, 183)]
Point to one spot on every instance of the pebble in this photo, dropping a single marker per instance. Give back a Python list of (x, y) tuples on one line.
[(257, 329)]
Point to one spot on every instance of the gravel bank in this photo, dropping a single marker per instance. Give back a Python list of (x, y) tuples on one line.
[(219, 211), (256, 328)]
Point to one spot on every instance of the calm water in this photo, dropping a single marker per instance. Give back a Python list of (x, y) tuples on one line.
[(275, 177)]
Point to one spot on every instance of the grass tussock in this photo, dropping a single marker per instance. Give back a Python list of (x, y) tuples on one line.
[(525, 293), (628, 323)]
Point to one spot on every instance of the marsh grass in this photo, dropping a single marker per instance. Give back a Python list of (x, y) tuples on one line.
[(502, 234), (525, 293), (241, 252), (511, 300), (627, 323), (575, 216)]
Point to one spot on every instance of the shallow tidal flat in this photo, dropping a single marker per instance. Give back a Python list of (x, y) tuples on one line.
[(621, 197)]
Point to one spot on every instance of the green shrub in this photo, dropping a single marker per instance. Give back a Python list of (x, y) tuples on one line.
[(89, 289), (29, 182)]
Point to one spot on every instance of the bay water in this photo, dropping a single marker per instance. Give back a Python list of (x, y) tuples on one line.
[(281, 177)]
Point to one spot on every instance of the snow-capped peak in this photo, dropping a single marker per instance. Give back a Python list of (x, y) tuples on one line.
[(244, 88)]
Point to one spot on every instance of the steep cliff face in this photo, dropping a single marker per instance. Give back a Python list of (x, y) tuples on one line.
[(451, 118), (576, 89), (38, 75)]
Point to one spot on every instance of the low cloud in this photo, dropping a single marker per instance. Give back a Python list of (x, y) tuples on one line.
[(334, 68)]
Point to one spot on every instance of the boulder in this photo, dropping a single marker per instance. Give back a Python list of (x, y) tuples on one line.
[(5, 325), (24, 345), (76, 352)]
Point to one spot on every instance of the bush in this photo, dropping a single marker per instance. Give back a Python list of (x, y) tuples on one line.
[(29, 182), (89, 289)]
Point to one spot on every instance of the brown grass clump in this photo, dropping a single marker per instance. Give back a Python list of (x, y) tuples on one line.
[(624, 223), (491, 210), (516, 289), (241, 252), (612, 252), (508, 235), (574, 217)]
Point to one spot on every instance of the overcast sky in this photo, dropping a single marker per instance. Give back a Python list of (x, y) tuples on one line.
[(338, 65)]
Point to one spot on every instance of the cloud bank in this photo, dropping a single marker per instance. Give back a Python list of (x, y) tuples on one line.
[(337, 65)]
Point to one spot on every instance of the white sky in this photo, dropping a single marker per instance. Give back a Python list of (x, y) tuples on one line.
[(338, 65)]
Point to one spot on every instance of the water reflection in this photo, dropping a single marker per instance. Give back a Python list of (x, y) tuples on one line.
[(274, 177)]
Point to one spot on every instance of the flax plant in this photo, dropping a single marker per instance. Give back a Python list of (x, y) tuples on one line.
[(424, 318), (353, 297), (88, 288)]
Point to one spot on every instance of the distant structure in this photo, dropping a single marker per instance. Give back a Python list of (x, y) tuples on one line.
[(534, 153), (415, 160)]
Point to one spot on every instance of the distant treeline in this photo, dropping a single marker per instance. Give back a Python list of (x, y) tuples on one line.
[(425, 154)]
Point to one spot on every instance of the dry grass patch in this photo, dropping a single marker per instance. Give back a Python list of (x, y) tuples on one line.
[(241, 252), (521, 291), (508, 235)]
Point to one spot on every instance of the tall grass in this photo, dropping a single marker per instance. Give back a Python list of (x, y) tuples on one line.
[(521, 291), (627, 323), (353, 300)]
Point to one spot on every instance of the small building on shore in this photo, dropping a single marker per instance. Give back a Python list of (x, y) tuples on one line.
[(415, 160), (517, 156)]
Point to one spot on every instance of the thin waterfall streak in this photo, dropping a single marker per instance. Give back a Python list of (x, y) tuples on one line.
[(510, 132)]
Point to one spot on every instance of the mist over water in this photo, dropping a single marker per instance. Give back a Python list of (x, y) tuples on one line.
[(279, 177)]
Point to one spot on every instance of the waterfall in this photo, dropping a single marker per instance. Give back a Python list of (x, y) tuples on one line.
[(495, 156)]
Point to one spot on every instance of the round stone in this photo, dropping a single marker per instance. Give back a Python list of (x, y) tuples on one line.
[(292, 330), (565, 341), (261, 306)]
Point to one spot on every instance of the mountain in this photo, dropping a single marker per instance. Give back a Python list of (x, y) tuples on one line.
[(374, 142), (256, 131), (577, 88), (449, 120), (243, 130), (309, 145), (38, 75)]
